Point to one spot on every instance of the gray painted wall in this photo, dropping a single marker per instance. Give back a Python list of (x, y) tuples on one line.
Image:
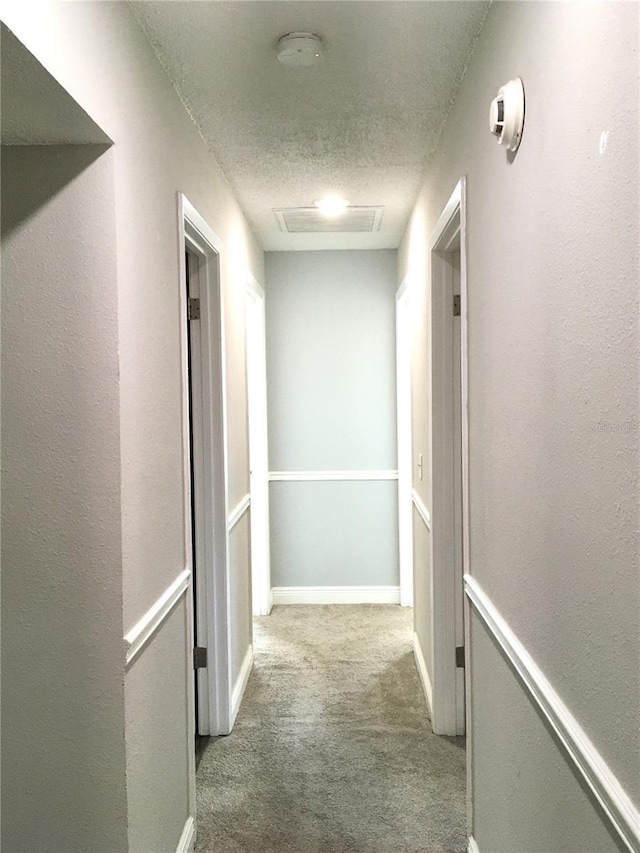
[(97, 53), (156, 739), (331, 397), (553, 351), (334, 534), (63, 755)]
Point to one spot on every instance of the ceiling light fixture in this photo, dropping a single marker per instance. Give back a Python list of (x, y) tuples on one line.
[(332, 205), (299, 49)]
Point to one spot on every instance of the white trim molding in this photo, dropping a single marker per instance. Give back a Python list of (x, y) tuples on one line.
[(336, 595), (238, 511), (188, 838), (403, 422), (445, 454), (623, 815), (423, 672), (421, 507), (472, 845), (257, 421), (205, 454), (137, 638), (448, 214), (313, 476), (240, 684)]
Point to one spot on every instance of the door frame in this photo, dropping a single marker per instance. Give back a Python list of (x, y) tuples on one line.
[(404, 438), (256, 356), (208, 494), (451, 686)]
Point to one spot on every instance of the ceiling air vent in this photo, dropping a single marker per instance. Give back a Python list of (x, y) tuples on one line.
[(309, 220)]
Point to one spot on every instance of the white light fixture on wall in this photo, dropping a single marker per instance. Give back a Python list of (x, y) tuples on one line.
[(332, 205), (300, 49), (506, 114)]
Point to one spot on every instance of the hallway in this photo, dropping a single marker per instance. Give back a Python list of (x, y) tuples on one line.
[(332, 750), (332, 305)]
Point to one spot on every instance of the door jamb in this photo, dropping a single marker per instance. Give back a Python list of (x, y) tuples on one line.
[(210, 499), (445, 694), (405, 465), (261, 593)]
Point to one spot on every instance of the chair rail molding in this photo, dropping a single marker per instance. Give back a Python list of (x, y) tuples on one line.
[(421, 508), (137, 638), (238, 511), (616, 804)]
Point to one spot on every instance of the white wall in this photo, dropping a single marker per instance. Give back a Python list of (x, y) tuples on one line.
[(330, 319), (553, 351), (98, 54)]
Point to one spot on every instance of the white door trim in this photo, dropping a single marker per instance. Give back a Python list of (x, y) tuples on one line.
[(256, 356), (403, 396), (447, 597), (210, 453)]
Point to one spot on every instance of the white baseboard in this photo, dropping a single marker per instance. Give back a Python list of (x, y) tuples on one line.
[(472, 845), (423, 672), (336, 595), (188, 838), (240, 685), (597, 775)]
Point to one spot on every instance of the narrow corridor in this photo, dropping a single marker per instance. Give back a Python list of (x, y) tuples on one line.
[(332, 750)]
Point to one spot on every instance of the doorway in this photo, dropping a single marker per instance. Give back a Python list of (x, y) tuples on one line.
[(192, 264), (205, 478), (449, 499)]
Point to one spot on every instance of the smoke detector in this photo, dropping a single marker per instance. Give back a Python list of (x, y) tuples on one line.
[(506, 114), (300, 49)]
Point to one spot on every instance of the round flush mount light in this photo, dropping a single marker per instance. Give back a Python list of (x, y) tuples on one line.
[(506, 114), (300, 49), (332, 205)]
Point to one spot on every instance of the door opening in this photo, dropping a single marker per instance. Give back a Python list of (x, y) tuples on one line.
[(449, 500), (205, 500), (192, 276)]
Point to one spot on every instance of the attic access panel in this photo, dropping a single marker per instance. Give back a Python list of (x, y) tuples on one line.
[(309, 220)]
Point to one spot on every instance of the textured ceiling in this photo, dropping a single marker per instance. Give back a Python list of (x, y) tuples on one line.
[(362, 124)]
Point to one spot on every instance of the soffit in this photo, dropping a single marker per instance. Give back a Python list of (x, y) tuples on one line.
[(36, 109)]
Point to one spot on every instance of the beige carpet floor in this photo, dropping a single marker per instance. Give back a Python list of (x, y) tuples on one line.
[(332, 751)]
